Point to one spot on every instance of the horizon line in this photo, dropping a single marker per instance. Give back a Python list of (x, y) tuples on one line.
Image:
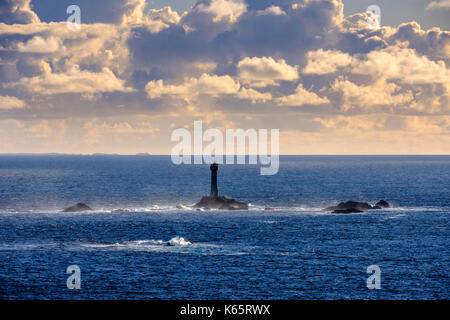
[(192, 155)]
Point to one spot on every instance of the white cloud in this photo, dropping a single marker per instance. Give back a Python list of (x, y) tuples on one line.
[(272, 10), (301, 97), (211, 85), (8, 103), (38, 44), (227, 10), (261, 72), (326, 61), (132, 11), (440, 4), (17, 11), (253, 95), (215, 57), (404, 65), (73, 81), (380, 93), (157, 20)]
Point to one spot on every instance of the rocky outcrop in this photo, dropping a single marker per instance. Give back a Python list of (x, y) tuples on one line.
[(383, 204), (347, 211), (357, 207), (351, 205), (214, 201), (79, 207), (120, 211), (221, 203)]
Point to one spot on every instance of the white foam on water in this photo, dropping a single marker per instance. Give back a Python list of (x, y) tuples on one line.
[(164, 209), (177, 241), (176, 245), (271, 222), (394, 217), (28, 246)]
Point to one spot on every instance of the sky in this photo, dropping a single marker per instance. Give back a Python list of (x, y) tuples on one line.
[(137, 70)]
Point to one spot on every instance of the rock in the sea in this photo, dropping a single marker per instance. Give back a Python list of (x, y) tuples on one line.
[(383, 204), (79, 207), (120, 211), (356, 207), (347, 211), (222, 203), (214, 201), (351, 205)]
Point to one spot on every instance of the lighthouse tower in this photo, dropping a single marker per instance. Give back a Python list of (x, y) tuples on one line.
[(213, 201), (214, 190)]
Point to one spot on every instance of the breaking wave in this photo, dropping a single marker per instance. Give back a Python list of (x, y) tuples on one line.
[(187, 208)]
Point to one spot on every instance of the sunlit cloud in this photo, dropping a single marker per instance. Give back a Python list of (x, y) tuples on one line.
[(300, 66)]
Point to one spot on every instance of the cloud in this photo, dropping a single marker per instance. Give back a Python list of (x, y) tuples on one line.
[(261, 72), (221, 10), (272, 10), (254, 96), (133, 11), (301, 97), (208, 18), (8, 103), (380, 93), (326, 61), (404, 65), (155, 20), (217, 62), (73, 81), (440, 4), (96, 132), (211, 85), (38, 44), (17, 11)]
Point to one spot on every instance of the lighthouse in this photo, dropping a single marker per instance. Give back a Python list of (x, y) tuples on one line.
[(213, 201), (214, 190)]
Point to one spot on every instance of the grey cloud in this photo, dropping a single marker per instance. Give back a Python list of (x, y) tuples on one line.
[(17, 11), (138, 54)]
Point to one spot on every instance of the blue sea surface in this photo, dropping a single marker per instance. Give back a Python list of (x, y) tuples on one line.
[(293, 251)]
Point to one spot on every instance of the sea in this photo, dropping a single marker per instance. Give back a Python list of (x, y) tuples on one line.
[(285, 247)]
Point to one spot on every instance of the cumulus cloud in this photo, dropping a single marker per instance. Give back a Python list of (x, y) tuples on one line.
[(404, 65), (221, 9), (261, 72), (38, 44), (73, 81), (253, 95), (326, 61), (8, 103), (240, 61), (440, 4), (209, 18), (133, 11), (155, 20), (272, 10), (211, 85), (380, 93), (17, 11), (301, 97)]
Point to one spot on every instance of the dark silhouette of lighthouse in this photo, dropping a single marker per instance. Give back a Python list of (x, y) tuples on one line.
[(213, 201), (214, 190)]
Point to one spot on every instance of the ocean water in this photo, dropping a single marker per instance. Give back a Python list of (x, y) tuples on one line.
[(295, 251)]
